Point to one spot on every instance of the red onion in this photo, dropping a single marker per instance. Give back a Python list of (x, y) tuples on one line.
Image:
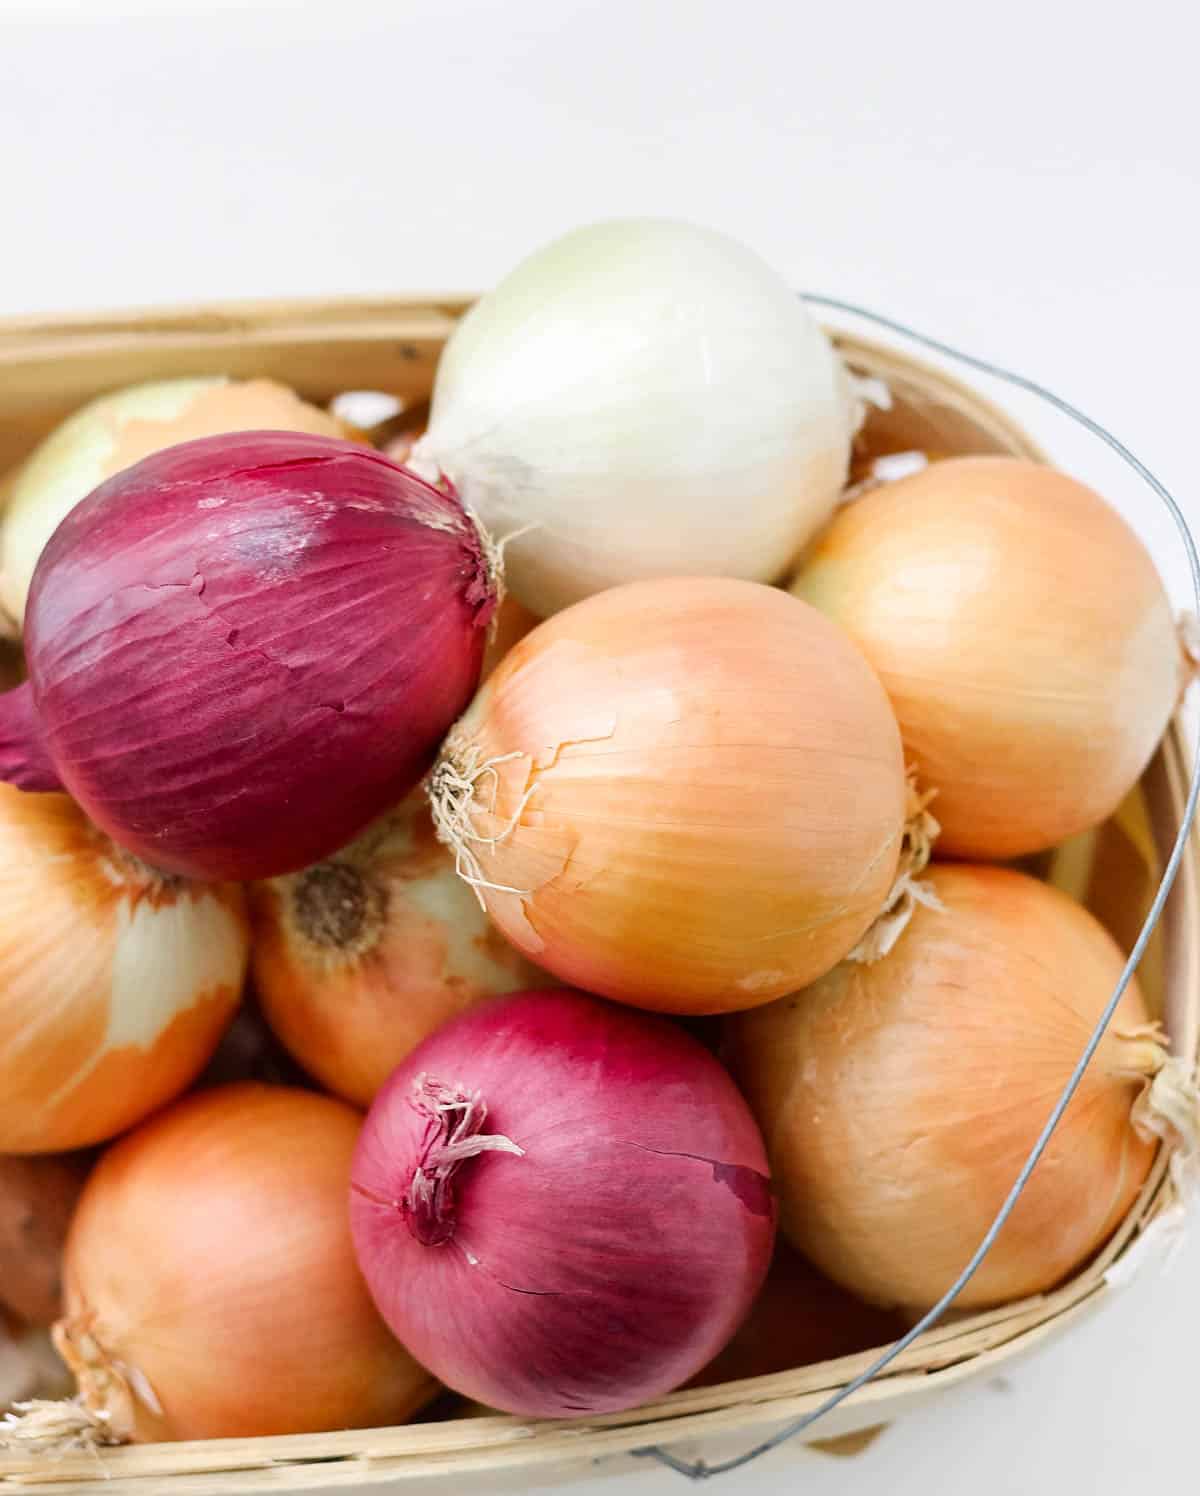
[(560, 1206), (244, 648)]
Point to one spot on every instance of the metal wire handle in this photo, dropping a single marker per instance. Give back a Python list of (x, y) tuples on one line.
[(699, 1469)]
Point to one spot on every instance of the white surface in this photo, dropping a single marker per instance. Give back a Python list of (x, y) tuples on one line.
[(1023, 179)]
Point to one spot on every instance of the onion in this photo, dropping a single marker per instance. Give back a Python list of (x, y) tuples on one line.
[(37, 1196), (1024, 637), (358, 959), (686, 794), (799, 1318), (560, 1206), (244, 649), (117, 430), (644, 398), (211, 1285), (115, 983), (899, 1100)]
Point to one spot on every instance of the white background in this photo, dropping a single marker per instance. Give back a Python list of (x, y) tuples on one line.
[(1021, 178)]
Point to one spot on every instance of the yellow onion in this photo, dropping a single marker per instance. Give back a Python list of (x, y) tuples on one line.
[(1023, 635), (116, 982), (117, 430), (899, 1100), (359, 958), (687, 794), (211, 1284)]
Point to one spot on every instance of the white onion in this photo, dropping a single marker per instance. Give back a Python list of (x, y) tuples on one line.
[(650, 399)]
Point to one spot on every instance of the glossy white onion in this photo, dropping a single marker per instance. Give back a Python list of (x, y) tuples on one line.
[(648, 398)]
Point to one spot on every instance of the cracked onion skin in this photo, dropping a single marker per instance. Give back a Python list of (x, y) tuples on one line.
[(612, 1238), (243, 649), (689, 794)]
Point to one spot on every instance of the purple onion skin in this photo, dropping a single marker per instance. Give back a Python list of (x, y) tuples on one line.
[(611, 1260), (244, 648)]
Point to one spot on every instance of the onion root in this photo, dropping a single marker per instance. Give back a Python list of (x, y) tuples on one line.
[(453, 787)]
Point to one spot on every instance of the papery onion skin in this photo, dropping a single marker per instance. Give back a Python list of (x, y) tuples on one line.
[(117, 430), (651, 399), (696, 788), (358, 959), (611, 1258), (210, 1262), (245, 648), (899, 1100), (116, 984), (1023, 634)]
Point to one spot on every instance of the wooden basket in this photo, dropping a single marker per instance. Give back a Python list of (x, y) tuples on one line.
[(49, 368)]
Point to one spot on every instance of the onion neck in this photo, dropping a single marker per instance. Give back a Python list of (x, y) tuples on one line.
[(485, 591), (485, 588), (24, 756), (453, 1135), (1138, 1053)]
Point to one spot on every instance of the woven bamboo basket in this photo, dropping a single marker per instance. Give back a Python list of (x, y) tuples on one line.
[(323, 348)]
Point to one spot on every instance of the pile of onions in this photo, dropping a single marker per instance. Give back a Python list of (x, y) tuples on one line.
[(1023, 635), (117, 430), (116, 984), (211, 1286), (244, 649), (641, 398), (687, 794), (37, 1196), (358, 959), (561, 1207), (899, 1100)]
